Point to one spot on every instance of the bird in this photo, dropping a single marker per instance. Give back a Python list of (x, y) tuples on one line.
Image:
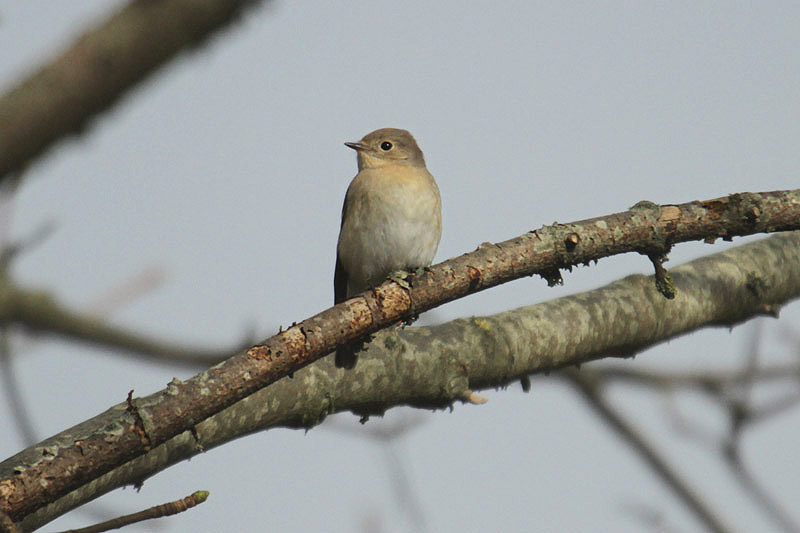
[(391, 218)]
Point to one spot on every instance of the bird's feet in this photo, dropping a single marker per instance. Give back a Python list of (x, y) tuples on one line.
[(403, 278), (400, 277)]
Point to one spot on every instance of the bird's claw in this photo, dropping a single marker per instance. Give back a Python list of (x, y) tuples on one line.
[(400, 277)]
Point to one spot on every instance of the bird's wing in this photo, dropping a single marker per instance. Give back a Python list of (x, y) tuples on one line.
[(339, 282), (340, 275)]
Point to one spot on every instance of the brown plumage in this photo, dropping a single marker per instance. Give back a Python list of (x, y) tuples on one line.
[(391, 218)]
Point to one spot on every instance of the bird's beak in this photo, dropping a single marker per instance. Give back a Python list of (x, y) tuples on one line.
[(356, 146)]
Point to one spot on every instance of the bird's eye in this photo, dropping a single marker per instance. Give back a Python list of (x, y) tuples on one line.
[(386, 146)]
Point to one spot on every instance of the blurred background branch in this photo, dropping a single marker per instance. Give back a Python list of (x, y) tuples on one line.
[(375, 386), (63, 96)]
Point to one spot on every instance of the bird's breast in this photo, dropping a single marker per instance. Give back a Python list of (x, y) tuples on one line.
[(392, 221)]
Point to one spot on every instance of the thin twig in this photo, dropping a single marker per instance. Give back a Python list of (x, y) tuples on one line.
[(11, 250), (590, 391), (701, 379), (770, 506), (39, 312), (14, 397), (146, 280), (742, 414), (158, 511), (386, 435)]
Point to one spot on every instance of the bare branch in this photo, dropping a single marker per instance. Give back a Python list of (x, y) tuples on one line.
[(102, 65), (386, 436), (434, 366), (759, 494), (712, 380), (591, 393), (13, 249), (150, 421), (142, 282), (158, 511), (39, 312), (733, 390), (14, 397)]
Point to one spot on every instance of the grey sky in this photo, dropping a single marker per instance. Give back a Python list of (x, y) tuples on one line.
[(227, 171)]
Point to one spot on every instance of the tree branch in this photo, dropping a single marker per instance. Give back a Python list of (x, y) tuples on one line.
[(99, 68), (158, 511), (590, 390), (39, 312), (434, 366), (710, 380), (150, 421)]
